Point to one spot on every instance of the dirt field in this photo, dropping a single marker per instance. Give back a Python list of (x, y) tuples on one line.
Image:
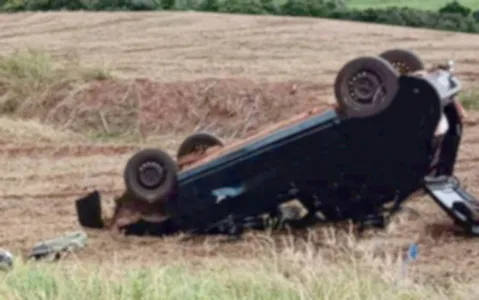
[(279, 66)]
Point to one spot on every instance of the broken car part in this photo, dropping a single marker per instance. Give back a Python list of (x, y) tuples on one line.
[(6, 260), (54, 248)]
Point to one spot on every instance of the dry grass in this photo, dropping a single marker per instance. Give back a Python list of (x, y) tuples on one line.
[(20, 131), (297, 271), (30, 85), (33, 88), (45, 168), (184, 46)]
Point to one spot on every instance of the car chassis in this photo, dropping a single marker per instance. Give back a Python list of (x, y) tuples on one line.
[(396, 130)]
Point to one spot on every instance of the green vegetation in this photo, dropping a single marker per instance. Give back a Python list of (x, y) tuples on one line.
[(29, 80), (33, 87), (285, 278), (452, 16), (470, 99), (433, 5)]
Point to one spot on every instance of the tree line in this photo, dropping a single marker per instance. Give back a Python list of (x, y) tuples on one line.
[(451, 17)]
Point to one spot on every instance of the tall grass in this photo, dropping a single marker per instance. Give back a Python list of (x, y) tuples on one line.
[(290, 275), (34, 87), (30, 81)]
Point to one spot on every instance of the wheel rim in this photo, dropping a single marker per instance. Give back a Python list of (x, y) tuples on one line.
[(365, 88), (401, 67), (151, 174)]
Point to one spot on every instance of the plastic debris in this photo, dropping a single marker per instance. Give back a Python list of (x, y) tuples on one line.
[(54, 248), (412, 253), (6, 260)]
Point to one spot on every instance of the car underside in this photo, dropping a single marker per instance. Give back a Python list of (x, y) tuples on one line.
[(396, 130)]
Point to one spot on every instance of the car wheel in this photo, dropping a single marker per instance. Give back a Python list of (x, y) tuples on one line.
[(198, 142), (150, 175), (365, 86), (404, 61)]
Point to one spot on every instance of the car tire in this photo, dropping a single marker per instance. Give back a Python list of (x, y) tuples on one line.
[(404, 61), (150, 175), (198, 142), (365, 86)]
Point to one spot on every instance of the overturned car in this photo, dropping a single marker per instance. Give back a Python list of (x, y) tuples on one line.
[(396, 130)]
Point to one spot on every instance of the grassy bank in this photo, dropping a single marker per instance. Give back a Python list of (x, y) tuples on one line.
[(286, 276), (91, 102), (35, 87), (32, 85)]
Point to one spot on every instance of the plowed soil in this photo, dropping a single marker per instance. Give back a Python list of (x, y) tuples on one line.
[(236, 74)]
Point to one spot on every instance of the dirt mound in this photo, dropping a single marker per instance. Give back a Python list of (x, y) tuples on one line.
[(231, 108), (74, 99)]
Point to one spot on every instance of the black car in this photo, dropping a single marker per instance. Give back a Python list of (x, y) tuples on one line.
[(396, 130)]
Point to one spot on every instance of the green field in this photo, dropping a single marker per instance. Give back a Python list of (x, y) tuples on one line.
[(420, 4)]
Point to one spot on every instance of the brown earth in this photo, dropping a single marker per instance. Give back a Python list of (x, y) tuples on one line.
[(289, 65)]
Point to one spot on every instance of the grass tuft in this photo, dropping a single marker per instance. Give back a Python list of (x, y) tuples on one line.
[(30, 84), (470, 99), (33, 87)]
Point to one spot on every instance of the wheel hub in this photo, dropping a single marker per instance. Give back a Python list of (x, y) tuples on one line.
[(363, 87), (401, 67), (151, 174)]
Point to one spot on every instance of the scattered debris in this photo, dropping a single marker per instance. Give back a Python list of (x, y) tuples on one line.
[(54, 248), (6, 260), (411, 255)]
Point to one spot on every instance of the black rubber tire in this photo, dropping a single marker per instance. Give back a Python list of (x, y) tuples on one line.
[(165, 182), (404, 61), (204, 140), (372, 68)]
